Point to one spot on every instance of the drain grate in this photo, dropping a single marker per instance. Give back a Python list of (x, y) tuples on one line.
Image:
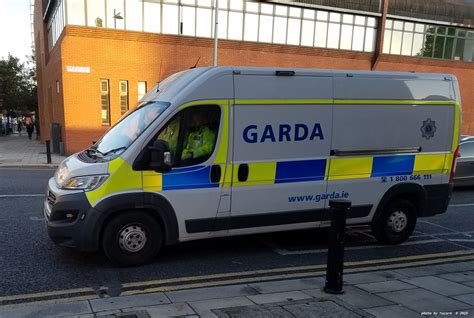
[(132, 314)]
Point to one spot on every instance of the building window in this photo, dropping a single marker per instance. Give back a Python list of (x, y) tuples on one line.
[(96, 13), (152, 17), (141, 90), (170, 18), (134, 15), (56, 24), (417, 39), (248, 21), (123, 97), (76, 12), (115, 14), (104, 102)]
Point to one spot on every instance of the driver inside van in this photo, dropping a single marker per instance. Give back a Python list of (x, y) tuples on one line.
[(200, 141)]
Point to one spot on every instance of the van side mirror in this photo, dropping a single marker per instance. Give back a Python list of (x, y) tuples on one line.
[(160, 156)]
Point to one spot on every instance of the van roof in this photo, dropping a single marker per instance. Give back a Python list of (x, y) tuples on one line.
[(224, 82), (326, 72)]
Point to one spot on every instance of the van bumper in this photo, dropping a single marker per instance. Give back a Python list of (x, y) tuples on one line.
[(70, 219), (437, 199)]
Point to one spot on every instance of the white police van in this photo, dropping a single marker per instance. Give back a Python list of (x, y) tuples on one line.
[(283, 142)]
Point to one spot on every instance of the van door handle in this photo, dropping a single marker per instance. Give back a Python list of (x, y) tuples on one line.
[(243, 173), (215, 173)]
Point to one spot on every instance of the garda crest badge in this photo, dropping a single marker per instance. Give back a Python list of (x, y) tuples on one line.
[(428, 129)]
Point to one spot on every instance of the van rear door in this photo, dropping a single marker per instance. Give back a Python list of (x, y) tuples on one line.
[(388, 130)]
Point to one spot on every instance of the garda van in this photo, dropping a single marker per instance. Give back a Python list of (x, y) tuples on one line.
[(279, 145)]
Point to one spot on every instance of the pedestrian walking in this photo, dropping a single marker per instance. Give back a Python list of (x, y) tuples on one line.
[(29, 126), (19, 126)]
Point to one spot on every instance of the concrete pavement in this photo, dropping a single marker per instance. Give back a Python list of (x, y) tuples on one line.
[(407, 292), (19, 151)]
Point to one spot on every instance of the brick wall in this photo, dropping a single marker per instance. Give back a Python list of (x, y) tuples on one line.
[(137, 56)]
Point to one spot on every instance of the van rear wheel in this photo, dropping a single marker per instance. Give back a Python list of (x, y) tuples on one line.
[(132, 238), (396, 223)]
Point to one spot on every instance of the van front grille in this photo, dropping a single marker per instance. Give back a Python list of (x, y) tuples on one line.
[(51, 198)]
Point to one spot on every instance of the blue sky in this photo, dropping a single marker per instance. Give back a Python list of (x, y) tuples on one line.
[(15, 36)]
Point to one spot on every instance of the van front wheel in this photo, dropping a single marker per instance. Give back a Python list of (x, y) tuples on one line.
[(396, 223), (132, 238)]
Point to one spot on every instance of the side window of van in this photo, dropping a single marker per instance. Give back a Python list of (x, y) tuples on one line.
[(192, 135)]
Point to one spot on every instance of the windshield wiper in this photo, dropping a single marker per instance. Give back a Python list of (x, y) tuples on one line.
[(113, 150), (92, 152)]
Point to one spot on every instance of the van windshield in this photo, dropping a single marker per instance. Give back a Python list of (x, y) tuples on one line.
[(127, 130)]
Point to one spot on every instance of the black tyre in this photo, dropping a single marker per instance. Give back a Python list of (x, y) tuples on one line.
[(396, 223), (132, 238)]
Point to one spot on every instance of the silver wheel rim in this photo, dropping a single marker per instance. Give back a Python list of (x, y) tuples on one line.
[(132, 238), (397, 221)]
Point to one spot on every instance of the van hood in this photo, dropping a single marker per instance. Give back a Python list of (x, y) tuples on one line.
[(75, 167)]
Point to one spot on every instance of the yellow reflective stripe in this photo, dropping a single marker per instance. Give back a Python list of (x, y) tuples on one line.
[(281, 101), (341, 101), (393, 102), (448, 161), (350, 168), (457, 119), (226, 178), (260, 173), (152, 181), (122, 177), (221, 157), (429, 163), (204, 102)]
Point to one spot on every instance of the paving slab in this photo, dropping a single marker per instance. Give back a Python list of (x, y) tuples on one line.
[(278, 297), (387, 286), (327, 309), (317, 293), (132, 314), (469, 298), (122, 302), (253, 311), (421, 300), (459, 277), (439, 285), (19, 151), (170, 310), (108, 313), (456, 267), (288, 285), (470, 284), (52, 310), (204, 307), (210, 293), (371, 277), (421, 271), (361, 299), (393, 311)]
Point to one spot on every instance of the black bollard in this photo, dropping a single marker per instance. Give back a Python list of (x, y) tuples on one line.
[(335, 262), (48, 151)]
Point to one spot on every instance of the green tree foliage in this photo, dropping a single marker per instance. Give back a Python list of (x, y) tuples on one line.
[(17, 85)]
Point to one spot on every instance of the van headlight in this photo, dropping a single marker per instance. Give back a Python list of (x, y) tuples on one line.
[(61, 175), (86, 183)]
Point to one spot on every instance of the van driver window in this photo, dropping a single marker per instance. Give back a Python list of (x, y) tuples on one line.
[(192, 135), (170, 135)]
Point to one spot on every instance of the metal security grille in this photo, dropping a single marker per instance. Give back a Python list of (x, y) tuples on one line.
[(105, 102), (123, 97)]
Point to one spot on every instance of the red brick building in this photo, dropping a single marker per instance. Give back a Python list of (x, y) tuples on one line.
[(95, 58)]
